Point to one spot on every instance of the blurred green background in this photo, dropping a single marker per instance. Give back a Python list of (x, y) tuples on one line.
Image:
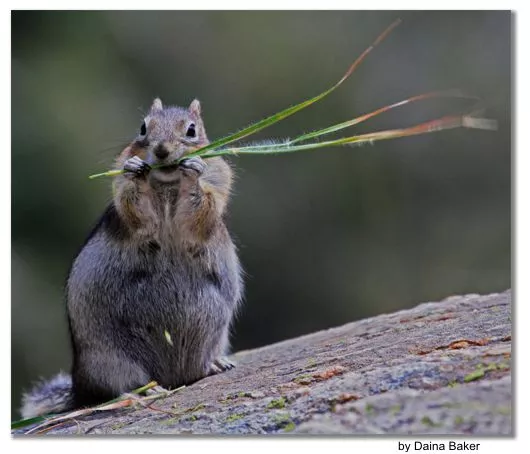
[(326, 237)]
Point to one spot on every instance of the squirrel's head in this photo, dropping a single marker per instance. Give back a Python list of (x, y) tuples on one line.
[(168, 133)]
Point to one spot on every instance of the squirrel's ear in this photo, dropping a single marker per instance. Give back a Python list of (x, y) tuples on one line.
[(157, 105), (195, 107)]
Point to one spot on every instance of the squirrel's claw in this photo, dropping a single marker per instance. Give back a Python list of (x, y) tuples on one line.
[(196, 163), (136, 166)]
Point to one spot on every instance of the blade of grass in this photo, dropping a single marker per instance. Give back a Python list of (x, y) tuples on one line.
[(269, 121), (109, 173), (26, 422), (448, 122)]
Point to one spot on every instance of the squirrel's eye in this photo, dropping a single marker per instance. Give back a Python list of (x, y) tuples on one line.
[(191, 130), (143, 129)]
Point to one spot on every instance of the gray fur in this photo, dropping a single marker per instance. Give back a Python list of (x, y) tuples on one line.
[(48, 396), (122, 299)]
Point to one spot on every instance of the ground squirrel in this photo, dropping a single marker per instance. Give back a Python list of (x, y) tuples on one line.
[(155, 287)]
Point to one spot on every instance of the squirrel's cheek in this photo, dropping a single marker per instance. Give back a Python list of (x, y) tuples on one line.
[(141, 153), (135, 150), (132, 150)]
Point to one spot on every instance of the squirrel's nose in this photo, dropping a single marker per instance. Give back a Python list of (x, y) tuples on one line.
[(161, 151)]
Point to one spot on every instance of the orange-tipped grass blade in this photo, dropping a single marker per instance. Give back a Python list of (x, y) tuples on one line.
[(435, 94), (448, 122)]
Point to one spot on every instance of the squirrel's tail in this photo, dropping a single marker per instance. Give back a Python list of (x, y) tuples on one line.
[(48, 396)]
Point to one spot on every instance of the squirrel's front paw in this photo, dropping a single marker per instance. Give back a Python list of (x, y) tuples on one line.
[(136, 166), (196, 163)]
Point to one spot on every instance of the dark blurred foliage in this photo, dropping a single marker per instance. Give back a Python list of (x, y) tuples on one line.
[(326, 237)]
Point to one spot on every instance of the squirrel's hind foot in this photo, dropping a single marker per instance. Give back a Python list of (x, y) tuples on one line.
[(221, 365)]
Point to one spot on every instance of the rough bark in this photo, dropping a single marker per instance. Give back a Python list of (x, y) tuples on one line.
[(439, 368)]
